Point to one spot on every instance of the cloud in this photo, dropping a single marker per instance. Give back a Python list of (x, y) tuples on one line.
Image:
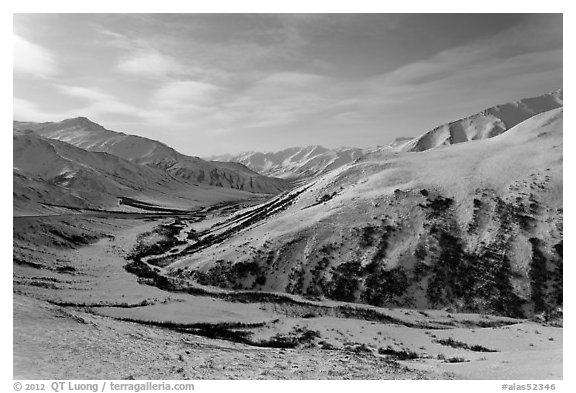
[(143, 58), (114, 107), (484, 71), (90, 94), (32, 59), (535, 37), (181, 94), (151, 63), (291, 80), (439, 66), (27, 111), (99, 103), (456, 70), (279, 99), (276, 99)]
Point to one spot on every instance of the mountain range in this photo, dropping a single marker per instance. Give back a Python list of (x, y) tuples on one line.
[(78, 163), (310, 161), (468, 216), (87, 135), (473, 225), (296, 162)]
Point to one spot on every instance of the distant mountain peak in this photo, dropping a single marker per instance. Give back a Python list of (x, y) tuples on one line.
[(82, 122)]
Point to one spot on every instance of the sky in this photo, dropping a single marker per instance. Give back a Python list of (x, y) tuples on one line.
[(210, 84)]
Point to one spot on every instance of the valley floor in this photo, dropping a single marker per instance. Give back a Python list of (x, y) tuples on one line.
[(78, 314)]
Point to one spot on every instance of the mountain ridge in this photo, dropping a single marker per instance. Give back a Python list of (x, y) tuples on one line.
[(50, 175), (83, 133), (302, 162), (487, 123), (306, 162)]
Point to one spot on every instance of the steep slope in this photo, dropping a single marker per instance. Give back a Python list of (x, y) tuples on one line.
[(473, 226), (399, 143), (49, 172), (88, 135), (296, 162), (486, 124)]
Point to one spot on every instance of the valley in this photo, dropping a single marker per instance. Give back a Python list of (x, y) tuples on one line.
[(442, 262), (82, 287), (82, 293)]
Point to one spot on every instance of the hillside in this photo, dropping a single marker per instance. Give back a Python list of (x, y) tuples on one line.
[(296, 162), (486, 124), (50, 173), (90, 136), (473, 226)]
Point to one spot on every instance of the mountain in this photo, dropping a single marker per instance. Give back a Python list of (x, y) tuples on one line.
[(296, 162), (475, 226), (310, 161), (486, 124), (399, 143), (85, 134), (48, 173)]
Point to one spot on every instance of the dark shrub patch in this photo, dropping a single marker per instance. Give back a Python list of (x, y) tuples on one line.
[(450, 342), (260, 280), (383, 285), (450, 278), (345, 283), (168, 240), (404, 354), (559, 249), (367, 236), (297, 336), (436, 206), (225, 274), (538, 275), (327, 346), (456, 360)]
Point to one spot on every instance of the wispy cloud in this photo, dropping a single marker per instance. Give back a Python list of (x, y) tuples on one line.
[(150, 63), (140, 57), (91, 94), (499, 51), (182, 94), (32, 59), (248, 75), (97, 103), (281, 80), (279, 99), (28, 111), (473, 71), (100, 102)]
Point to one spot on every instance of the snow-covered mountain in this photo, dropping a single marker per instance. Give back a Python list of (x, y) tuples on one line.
[(475, 226), (49, 172), (85, 134), (296, 162), (486, 124), (399, 143), (310, 161)]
